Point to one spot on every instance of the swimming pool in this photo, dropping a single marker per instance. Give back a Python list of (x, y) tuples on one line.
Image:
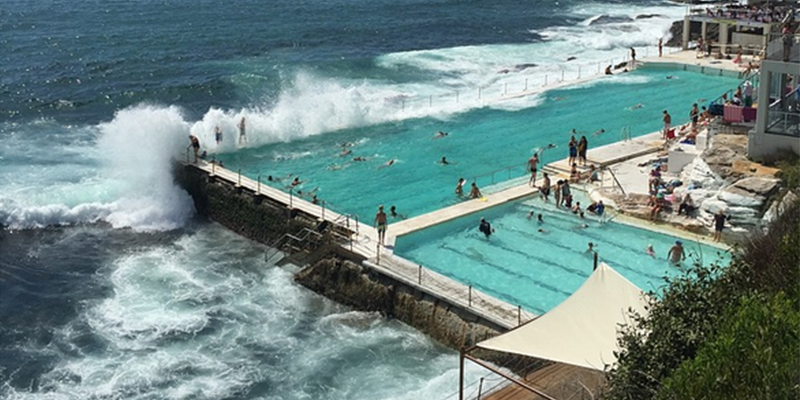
[(538, 270), (482, 143)]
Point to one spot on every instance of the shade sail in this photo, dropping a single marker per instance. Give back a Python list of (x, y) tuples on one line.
[(582, 330)]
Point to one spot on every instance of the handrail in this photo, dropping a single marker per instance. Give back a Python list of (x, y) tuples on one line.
[(492, 173), (616, 181)]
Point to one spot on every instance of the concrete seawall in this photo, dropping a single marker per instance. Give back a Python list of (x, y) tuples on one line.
[(364, 289), (338, 273), (241, 211)]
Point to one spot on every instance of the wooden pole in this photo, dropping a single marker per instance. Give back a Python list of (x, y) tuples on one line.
[(524, 385), (595, 261)]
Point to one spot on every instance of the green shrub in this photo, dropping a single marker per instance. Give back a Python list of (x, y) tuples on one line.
[(755, 355)]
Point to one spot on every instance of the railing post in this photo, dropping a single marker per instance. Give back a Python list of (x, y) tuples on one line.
[(258, 190), (419, 275), (595, 261), (322, 205), (480, 388), (469, 297), (213, 169), (291, 195), (519, 315)]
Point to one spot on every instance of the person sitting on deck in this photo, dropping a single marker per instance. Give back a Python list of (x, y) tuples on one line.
[(574, 176), (592, 175), (474, 192), (687, 205)]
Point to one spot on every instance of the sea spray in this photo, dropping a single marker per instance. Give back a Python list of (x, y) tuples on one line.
[(138, 146)]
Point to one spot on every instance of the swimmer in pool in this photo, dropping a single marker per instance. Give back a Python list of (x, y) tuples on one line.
[(636, 107), (599, 132), (387, 164), (650, 251), (440, 134), (443, 161)]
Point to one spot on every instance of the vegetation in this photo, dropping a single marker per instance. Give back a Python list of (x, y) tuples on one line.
[(721, 332)]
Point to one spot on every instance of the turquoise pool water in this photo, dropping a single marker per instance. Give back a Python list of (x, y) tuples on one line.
[(538, 270), (481, 140)]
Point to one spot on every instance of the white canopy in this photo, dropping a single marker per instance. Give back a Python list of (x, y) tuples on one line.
[(583, 329)]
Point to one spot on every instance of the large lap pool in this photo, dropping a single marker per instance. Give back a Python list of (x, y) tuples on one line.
[(481, 141), (538, 270)]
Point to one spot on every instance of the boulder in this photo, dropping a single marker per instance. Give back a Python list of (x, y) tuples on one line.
[(757, 185), (777, 208), (698, 174), (736, 197)]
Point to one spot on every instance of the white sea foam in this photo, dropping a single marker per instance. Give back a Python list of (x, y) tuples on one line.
[(458, 79), (204, 318), (117, 172)]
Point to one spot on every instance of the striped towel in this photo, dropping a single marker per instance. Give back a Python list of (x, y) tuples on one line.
[(731, 113)]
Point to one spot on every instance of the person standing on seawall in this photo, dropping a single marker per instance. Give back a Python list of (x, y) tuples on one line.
[(660, 46), (194, 143), (218, 135), (380, 224), (633, 57), (533, 162), (242, 126)]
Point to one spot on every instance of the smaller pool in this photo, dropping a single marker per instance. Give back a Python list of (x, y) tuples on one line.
[(538, 270)]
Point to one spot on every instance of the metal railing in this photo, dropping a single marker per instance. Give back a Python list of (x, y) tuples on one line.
[(296, 243), (445, 288)]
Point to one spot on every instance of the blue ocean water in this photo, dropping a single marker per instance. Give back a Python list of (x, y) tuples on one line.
[(110, 287)]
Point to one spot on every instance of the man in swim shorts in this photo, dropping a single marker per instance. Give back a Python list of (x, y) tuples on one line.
[(533, 162), (667, 122), (380, 224)]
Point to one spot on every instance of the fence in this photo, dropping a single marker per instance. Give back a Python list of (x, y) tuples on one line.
[(445, 288), (514, 88)]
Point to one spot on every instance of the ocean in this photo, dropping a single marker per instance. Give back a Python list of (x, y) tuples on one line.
[(112, 288)]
